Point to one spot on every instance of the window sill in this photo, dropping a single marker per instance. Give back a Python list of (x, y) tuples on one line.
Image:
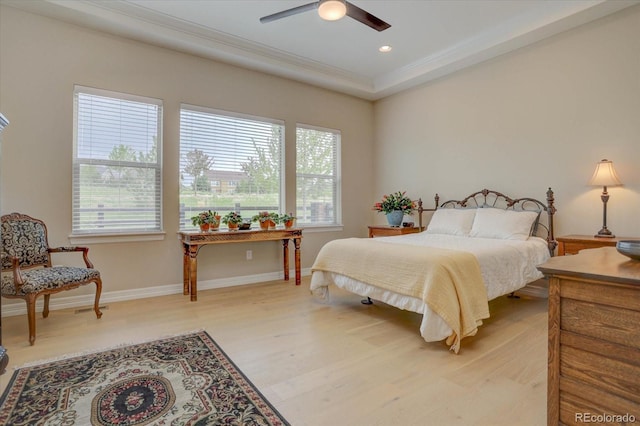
[(116, 238), (320, 228)]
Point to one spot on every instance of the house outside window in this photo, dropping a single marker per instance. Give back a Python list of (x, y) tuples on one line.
[(243, 153), (318, 197), (117, 165)]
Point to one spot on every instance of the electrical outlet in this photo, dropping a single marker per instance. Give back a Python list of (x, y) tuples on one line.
[(249, 255)]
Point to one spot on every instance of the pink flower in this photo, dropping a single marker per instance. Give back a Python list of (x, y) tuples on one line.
[(395, 201)]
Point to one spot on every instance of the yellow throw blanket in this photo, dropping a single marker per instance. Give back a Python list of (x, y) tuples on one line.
[(448, 281)]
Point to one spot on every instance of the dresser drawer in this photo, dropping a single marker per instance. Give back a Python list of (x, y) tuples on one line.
[(601, 321)]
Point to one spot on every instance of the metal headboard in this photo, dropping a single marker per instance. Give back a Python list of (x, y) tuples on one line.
[(495, 199)]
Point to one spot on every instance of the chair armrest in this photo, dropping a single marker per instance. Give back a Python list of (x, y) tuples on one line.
[(17, 275), (70, 249), (66, 249)]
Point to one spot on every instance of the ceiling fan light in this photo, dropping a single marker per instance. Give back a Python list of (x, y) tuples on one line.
[(332, 10)]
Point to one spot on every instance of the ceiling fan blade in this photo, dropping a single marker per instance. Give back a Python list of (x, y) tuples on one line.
[(289, 12), (366, 18)]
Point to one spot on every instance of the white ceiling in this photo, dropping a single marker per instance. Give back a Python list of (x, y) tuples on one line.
[(430, 38)]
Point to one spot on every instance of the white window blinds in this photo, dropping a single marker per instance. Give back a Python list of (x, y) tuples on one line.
[(229, 162), (317, 176), (117, 165)]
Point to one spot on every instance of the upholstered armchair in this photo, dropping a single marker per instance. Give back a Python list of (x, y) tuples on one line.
[(27, 271)]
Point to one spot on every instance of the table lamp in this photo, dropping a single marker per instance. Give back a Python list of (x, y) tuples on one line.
[(605, 175)]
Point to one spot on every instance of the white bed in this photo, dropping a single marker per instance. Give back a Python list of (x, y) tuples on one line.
[(505, 244)]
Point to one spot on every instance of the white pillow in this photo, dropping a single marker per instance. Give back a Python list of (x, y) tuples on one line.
[(451, 222), (503, 224)]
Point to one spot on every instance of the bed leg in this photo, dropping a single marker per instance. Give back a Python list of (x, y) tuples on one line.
[(367, 301), (513, 295)]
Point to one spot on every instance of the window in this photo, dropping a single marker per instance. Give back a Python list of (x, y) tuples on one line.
[(116, 163), (317, 176), (242, 153)]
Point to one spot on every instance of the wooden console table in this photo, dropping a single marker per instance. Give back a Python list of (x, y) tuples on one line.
[(193, 241)]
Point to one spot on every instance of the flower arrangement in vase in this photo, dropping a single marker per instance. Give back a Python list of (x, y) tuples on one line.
[(232, 220), (267, 220), (287, 219), (395, 206), (206, 220)]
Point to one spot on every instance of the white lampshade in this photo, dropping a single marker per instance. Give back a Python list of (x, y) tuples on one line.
[(605, 175), (332, 10)]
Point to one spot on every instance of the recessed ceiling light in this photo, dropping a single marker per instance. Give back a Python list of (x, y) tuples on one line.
[(386, 48)]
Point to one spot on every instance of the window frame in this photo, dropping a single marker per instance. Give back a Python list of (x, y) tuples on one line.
[(337, 177), (141, 234), (184, 222)]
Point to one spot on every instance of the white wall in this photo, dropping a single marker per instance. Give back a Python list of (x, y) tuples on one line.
[(40, 61), (539, 117)]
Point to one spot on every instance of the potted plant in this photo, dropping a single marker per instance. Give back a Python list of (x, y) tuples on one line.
[(287, 219), (263, 218), (215, 224), (274, 219), (267, 220), (206, 220), (395, 206), (232, 219)]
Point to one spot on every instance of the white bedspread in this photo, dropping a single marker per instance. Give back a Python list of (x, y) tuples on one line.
[(506, 266)]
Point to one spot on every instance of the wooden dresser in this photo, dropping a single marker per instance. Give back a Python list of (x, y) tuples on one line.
[(594, 338)]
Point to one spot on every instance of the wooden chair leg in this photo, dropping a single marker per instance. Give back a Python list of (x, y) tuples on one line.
[(45, 311), (96, 303), (31, 316)]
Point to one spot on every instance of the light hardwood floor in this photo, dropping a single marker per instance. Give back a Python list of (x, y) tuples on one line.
[(341, 363)]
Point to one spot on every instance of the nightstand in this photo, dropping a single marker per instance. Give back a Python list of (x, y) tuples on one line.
[(389, 231), (572, 244)]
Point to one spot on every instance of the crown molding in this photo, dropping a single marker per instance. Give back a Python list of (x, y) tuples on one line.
[(136, 22)]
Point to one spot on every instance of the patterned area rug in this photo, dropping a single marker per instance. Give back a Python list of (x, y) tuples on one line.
[(182, 380)]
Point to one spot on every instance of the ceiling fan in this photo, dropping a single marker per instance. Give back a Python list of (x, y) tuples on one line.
[(332, 10)]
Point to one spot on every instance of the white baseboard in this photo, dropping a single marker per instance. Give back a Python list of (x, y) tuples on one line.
[(65, 302)]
